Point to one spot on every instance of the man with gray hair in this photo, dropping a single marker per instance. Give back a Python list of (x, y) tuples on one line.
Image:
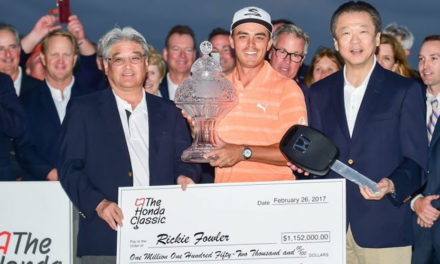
[(289, 49), (402, 34), (117, 137)]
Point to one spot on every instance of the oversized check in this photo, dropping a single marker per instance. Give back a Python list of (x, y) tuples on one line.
[(271, 222)]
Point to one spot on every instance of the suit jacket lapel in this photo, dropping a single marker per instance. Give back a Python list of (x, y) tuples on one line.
[(48, 105), (163, 88), (108, 112), (370, 100), (154, 125), (340, 105), (433, 183), (76, 90), (27, 84), (436, 134)]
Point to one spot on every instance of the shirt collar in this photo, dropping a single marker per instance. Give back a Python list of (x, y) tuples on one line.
[(124, 105), (57, 93), (261, 77), (17, 82), (367, 78), (170, 82), (430, 97)]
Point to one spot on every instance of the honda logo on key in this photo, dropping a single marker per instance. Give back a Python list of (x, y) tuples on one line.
[(301, 144)]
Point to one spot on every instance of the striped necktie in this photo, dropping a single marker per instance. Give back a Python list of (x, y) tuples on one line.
[(432, 119)]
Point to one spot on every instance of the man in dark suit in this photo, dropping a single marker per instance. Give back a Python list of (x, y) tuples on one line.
[(46, 105), (12, 125), (426, 247), (11, 52), (375, 118), (180, 54), (9, 64), (119, 137)]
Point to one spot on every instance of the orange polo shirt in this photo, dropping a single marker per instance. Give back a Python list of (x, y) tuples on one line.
[(268, 106)]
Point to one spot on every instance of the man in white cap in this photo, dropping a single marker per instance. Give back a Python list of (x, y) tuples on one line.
[(269, 103)]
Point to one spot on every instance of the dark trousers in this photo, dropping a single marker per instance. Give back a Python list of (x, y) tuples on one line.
[(426, 246)]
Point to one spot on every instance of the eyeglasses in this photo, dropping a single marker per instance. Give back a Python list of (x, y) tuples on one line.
[(282, 54), (10, 48), (118, 61)]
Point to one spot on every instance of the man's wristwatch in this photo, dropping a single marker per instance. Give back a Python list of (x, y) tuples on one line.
[(247, 152)]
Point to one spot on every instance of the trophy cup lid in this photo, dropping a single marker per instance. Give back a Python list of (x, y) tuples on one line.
[(206, 63), (206, 84)]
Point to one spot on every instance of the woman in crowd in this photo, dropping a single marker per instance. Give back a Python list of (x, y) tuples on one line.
[(325, 62), (391, 56), (156, 71)]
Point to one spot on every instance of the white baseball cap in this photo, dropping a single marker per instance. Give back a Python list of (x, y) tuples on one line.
[(251, 14)]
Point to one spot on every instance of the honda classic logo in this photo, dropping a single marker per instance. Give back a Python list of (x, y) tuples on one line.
[(149, 211)]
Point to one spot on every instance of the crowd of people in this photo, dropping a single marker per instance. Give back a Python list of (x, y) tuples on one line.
[(98, 117)]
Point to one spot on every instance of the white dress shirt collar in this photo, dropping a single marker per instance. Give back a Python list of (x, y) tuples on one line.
[(353, 97), (17, 82), (61, 98)]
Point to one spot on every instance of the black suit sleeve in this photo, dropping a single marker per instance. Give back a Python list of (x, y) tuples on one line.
[(88, 74), (12, 116)]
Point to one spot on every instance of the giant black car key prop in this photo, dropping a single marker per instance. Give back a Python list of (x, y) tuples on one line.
[(310, 150)]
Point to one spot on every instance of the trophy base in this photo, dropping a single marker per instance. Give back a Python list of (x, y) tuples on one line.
[(195, 154)]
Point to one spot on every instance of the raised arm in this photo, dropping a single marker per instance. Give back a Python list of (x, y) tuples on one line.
[(42, 27)]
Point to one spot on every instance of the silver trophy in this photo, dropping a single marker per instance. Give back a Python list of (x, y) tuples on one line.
[(206, 96)]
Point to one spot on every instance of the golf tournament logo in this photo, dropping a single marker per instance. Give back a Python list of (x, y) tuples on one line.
[(149, 211)]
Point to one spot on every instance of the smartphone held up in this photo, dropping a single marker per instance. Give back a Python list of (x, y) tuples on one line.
[(63, 11)]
